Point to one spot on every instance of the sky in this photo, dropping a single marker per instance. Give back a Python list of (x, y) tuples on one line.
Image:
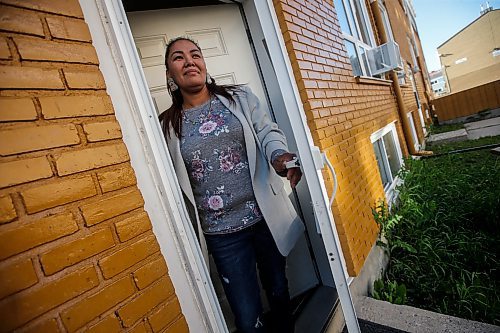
[(438, 20)]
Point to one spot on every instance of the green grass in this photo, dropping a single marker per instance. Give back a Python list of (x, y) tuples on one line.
[(436, 129), (442, 148), (445, 244)]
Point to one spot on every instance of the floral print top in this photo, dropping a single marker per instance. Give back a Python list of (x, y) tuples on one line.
[(213, 150)]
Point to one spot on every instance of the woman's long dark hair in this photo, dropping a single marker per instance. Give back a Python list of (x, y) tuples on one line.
[(173, 115)]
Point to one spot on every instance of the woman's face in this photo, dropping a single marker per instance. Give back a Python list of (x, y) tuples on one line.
[(185, 64)]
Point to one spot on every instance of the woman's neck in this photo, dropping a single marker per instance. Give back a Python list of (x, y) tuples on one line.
[(192, 99)]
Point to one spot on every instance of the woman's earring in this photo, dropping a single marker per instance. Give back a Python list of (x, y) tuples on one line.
[(172, 85), (209, 79)]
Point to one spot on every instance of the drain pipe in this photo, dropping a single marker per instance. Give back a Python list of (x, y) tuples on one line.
[(377, 15)]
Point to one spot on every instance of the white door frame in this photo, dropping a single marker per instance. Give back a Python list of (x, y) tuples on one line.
[(143, 137), (311, 158), (134, 110)]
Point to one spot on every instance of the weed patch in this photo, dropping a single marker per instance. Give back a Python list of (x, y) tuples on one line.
[(442, 237), (436, 129)]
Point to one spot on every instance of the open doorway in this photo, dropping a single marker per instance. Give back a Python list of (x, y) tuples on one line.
[(235, 51)]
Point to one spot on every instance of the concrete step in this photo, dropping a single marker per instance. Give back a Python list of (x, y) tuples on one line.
[(482, 123), (410, 319), (452, 136)]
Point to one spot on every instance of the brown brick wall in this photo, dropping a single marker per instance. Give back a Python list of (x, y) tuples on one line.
[(342, 115), (402, 29), (76, 247)]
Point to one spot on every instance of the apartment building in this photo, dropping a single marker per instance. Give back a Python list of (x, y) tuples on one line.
[(438, 82), (471, 57), (94, 235)]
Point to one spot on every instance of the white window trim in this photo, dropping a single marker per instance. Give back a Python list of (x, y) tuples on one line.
[(416, 143), (390, 191), (358, 42), (422, 121), (412, 52), (353, 24), (386, 21)]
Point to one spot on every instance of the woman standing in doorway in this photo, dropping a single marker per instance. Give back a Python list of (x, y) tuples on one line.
[(223, 145)]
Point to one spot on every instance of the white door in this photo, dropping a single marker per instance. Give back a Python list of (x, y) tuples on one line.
[(217, 29), (220, 32)]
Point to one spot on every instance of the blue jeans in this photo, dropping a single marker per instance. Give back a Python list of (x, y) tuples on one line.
[(236, 256)]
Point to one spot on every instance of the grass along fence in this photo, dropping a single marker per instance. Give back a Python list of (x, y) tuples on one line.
[(443, 237)]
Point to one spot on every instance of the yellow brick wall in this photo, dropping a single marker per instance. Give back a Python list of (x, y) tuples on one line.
[(76, 248), (342, 115)]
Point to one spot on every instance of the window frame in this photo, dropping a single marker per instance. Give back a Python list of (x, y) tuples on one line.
[(413, 55), (355, 26), (395, 180), (386, 21)]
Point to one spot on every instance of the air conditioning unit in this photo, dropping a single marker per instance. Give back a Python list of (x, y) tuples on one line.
[(384, 58)]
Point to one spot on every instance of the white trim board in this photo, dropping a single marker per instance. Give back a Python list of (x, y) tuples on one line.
[(143, 138)]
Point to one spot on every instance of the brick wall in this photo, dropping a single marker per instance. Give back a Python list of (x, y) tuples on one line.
[(402, 29), (76, 247), (342, 114)]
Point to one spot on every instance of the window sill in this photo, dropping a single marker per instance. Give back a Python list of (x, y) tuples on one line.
[(405, 85), (372, 80)]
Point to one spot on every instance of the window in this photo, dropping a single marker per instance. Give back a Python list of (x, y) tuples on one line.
[(390, 37), (389, 157), (357, 33), (412, 51), (385, 20), (402, 74)]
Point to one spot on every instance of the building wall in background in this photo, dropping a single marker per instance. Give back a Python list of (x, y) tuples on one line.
[(414, 61), (469, 57), (76, 245)]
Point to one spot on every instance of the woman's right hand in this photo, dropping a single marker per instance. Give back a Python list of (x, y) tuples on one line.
[(293, 174)]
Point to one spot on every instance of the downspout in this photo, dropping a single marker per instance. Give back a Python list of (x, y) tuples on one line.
[(377, 15)]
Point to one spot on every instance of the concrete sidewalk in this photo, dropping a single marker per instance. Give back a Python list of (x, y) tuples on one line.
[(410, 319), (479, 129), (471, 131)]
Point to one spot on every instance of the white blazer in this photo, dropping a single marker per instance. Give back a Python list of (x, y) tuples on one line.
[(262, 138)]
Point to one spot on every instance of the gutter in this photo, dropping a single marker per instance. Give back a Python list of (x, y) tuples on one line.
[(410, 145)]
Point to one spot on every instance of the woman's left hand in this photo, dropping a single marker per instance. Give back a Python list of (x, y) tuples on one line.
[(292, 174)]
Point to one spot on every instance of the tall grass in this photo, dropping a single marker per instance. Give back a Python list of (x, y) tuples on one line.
[(446, 246)]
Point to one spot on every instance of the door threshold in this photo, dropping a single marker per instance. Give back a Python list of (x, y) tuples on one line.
[(316, 310)]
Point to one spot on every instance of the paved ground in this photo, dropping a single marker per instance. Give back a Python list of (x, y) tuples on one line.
[(472, 131), (479, 129), (409, 319)]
